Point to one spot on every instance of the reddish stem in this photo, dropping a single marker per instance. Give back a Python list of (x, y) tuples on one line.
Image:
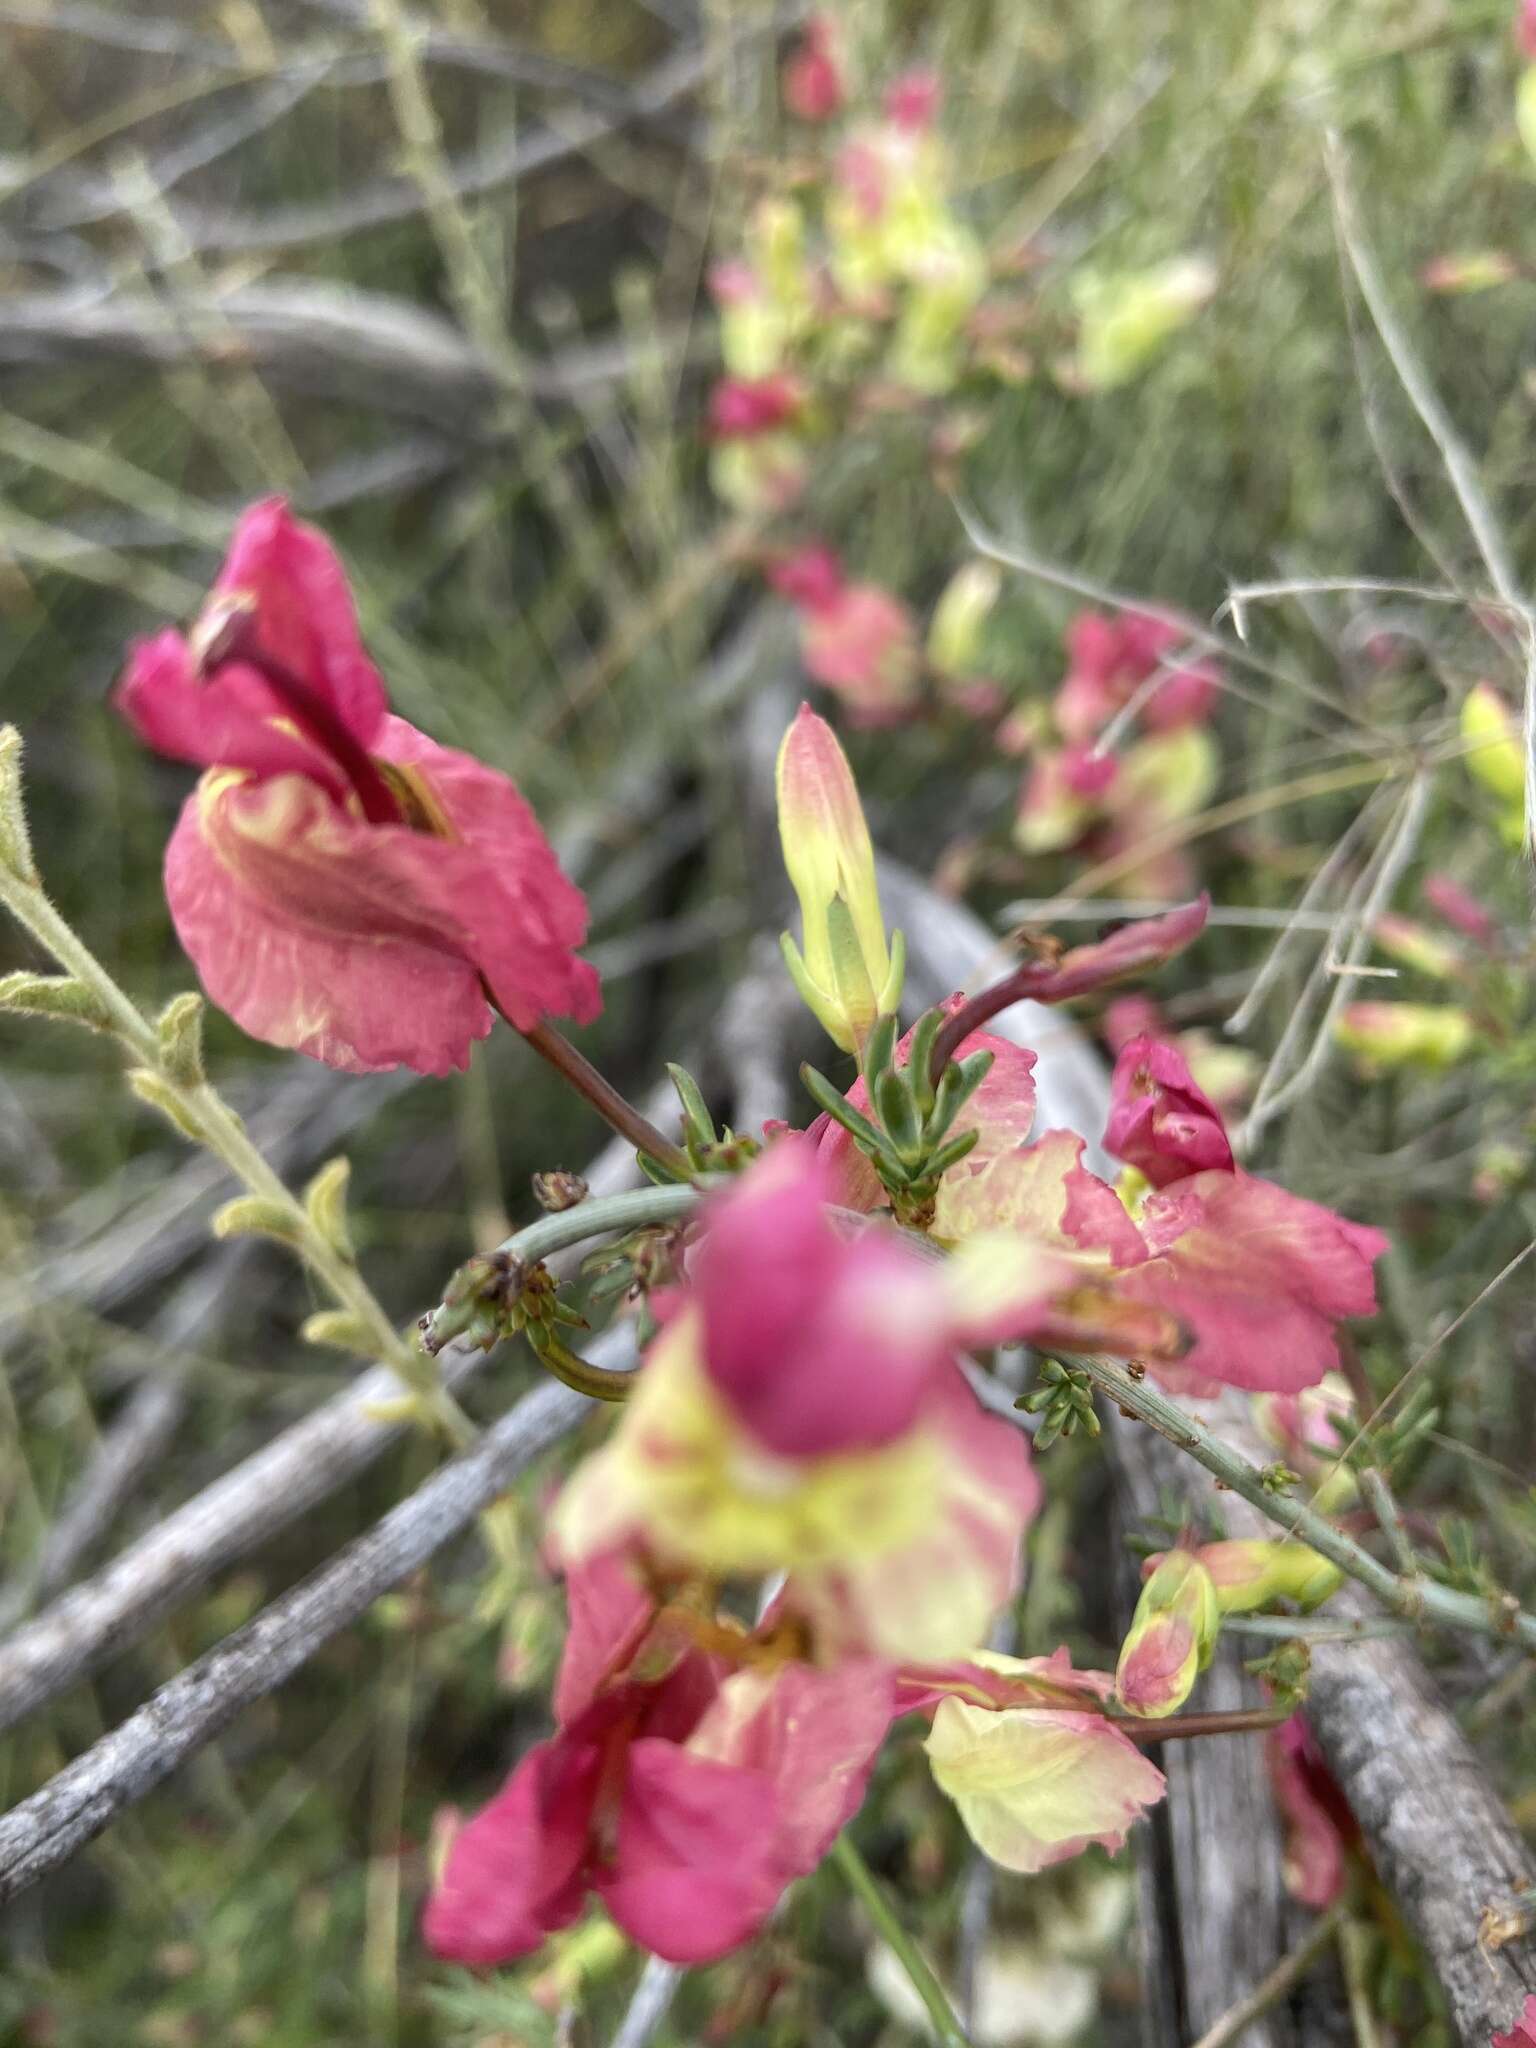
[(1183, 1727), (575, 1068)]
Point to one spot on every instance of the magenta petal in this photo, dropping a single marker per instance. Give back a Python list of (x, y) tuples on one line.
[(324, 934), (515, 1873), (1160, 1122), (820, 1343), (609, 1609), (695, 1874), (365, 945), (815, 1734), (523, 915), (304, 613), (233, 720)]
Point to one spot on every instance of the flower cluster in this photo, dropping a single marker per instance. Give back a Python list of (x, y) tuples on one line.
[(861, 295), (1083, 794), (806, 1431)]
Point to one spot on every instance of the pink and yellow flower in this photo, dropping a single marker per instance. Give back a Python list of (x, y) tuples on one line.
[(344, 886), (845, 970), (1034, 1776), (803, 1411), (1259, 1276), (685, 1792)]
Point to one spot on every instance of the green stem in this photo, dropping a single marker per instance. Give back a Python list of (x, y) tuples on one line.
[(1416, 1599), (203, 1111), (860, 1880), (599, 1216)]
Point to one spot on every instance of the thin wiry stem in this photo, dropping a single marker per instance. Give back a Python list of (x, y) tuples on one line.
[(1394, 857), (1417, 1599), (861, 1882), (1460, 468)]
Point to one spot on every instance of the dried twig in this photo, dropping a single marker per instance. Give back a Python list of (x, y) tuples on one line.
[(73, 1807), (230, 1518)]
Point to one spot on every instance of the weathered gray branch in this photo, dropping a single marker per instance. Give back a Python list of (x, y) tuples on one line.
[(74, 1807), (230, 1518), (362, 347)]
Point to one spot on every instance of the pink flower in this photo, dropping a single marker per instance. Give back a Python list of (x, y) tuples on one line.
[(912, 101), (815, 83), (344, 885), (1523, 2032), (1159, 1121), (1460, 908), (1258, 1276), (686, 1794), (744, 408), (803, 1412), (1319, 1826), (818, 1342), (1112, 658), (856, 638), (1525, 29)]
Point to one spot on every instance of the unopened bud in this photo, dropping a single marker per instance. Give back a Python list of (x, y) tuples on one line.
[(960, 616), (1125, 319), (1403, 939), (15, 843), (1389, 1035), (848, 974), (1171, 1637)]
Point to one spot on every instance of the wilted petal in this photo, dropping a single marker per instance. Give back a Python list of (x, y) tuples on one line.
[(694, 1873), (516, 1872), (1042, 1192), (1318, 1823), (1160, 1122), (815, 1734), (1035, 1786), (364, 945), (322, 933), (1259, 1275)]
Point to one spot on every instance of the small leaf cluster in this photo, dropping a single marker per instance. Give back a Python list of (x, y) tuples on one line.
[(906, 1136)]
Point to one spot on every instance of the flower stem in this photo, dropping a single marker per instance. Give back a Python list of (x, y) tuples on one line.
[(201, 1112), (1184, 1727), (1415, 1599), (861, 1882), (621, 1116)]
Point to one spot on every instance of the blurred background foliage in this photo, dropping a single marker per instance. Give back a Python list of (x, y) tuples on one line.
[(469, 333)]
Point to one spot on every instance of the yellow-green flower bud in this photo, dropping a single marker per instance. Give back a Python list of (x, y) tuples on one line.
[(848, 975)]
